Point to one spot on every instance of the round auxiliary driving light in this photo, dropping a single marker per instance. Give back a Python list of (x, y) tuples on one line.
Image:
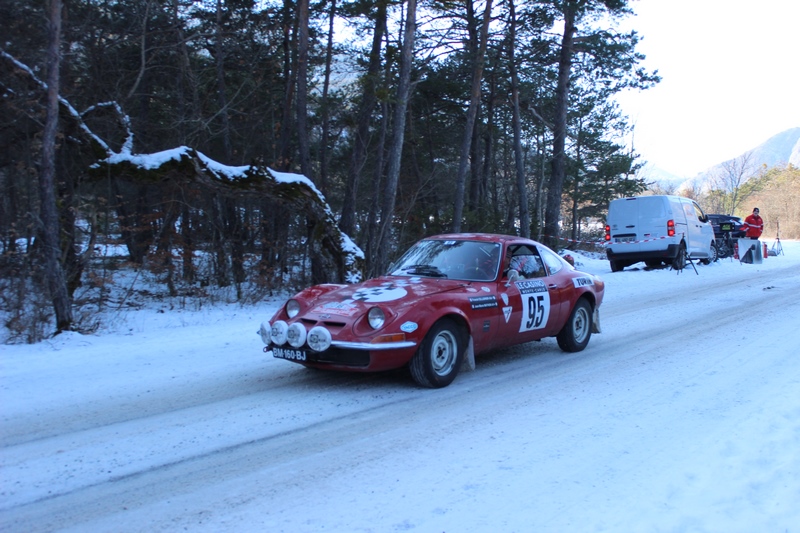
[(296, 335), (278, 332), (266, 332), (319, 339), (376, 318)]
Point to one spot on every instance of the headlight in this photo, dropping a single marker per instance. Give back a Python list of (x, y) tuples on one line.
[(319, 339), (296, 335), (278, 332), (292, 308), (376, 318)]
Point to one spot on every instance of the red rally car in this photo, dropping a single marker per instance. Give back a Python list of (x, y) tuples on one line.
[(447, 299)]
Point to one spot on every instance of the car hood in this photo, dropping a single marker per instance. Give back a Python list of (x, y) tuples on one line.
[(395, 292)]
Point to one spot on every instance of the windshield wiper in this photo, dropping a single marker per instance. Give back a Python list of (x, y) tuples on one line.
[(425, 270)]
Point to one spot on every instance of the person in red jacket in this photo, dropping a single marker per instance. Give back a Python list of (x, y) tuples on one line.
[(753, 225)]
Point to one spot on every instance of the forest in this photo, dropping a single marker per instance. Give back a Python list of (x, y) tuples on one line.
[(403, 119)]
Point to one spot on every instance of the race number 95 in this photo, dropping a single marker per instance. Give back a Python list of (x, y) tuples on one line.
[(536, 311)]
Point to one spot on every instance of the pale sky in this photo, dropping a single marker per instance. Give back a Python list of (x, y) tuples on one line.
[(730, 79)]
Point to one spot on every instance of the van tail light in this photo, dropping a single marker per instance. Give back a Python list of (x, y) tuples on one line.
[(670, 228), (608, 232)]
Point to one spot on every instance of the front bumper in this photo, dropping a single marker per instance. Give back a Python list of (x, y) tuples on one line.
[(341, 354)]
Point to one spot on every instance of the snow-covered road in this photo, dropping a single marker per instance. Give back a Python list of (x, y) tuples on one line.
[(683, 415)]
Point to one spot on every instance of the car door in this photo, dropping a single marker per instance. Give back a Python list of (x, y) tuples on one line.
[(705, 230), (560, 286), (527, 312), (700, 232)]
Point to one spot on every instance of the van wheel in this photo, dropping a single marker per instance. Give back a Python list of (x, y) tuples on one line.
[(713, 255), (616, 266)]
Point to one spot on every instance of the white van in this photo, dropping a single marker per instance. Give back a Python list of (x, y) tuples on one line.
[(658, 230)]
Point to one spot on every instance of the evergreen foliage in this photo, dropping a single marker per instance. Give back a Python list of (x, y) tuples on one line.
[(221, 77)]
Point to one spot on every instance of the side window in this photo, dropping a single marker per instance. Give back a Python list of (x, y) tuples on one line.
[(527, 262), (699, 213), (552, 261)]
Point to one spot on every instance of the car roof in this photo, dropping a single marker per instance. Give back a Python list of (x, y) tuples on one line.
[(484, 237)]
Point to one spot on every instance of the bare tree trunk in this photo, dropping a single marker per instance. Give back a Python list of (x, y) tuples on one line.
[(221, 96), (576, 189), (186, 80), (187, 239), (347, 222), (323, 156), (398, 127), (556, 186), (488, 156), (284, 159), (472, 113), (54, 272), (541, 146), (372, 245), (731, 177), (302, 89), (522, 189)]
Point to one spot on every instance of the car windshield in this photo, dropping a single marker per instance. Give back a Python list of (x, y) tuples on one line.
[(452, 259)]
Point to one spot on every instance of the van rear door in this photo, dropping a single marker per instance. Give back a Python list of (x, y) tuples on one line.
[(635, 224)]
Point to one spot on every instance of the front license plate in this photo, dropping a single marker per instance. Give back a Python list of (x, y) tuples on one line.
[(289, 353)]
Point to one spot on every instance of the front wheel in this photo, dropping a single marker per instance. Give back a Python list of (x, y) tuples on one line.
[(575, 334), (713, 254), (439, 357)]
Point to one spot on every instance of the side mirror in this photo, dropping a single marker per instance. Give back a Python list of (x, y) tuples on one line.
[(513, 275)]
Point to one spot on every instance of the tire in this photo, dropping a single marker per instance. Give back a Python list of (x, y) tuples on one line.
[(439, 357), (714, 254), (616, 266), (575, 334)]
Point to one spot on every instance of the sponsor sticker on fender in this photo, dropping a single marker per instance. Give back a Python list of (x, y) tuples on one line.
[(582, 282), (483, 302)]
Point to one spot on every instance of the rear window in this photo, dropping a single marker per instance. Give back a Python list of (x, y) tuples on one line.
[(653, 206), (631, 208)]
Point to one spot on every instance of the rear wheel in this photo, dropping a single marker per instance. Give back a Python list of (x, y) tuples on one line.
[(575, 334), (439, 357), (616, 266)]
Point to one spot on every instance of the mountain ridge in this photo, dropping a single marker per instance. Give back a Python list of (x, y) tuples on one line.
[(783, 147)]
